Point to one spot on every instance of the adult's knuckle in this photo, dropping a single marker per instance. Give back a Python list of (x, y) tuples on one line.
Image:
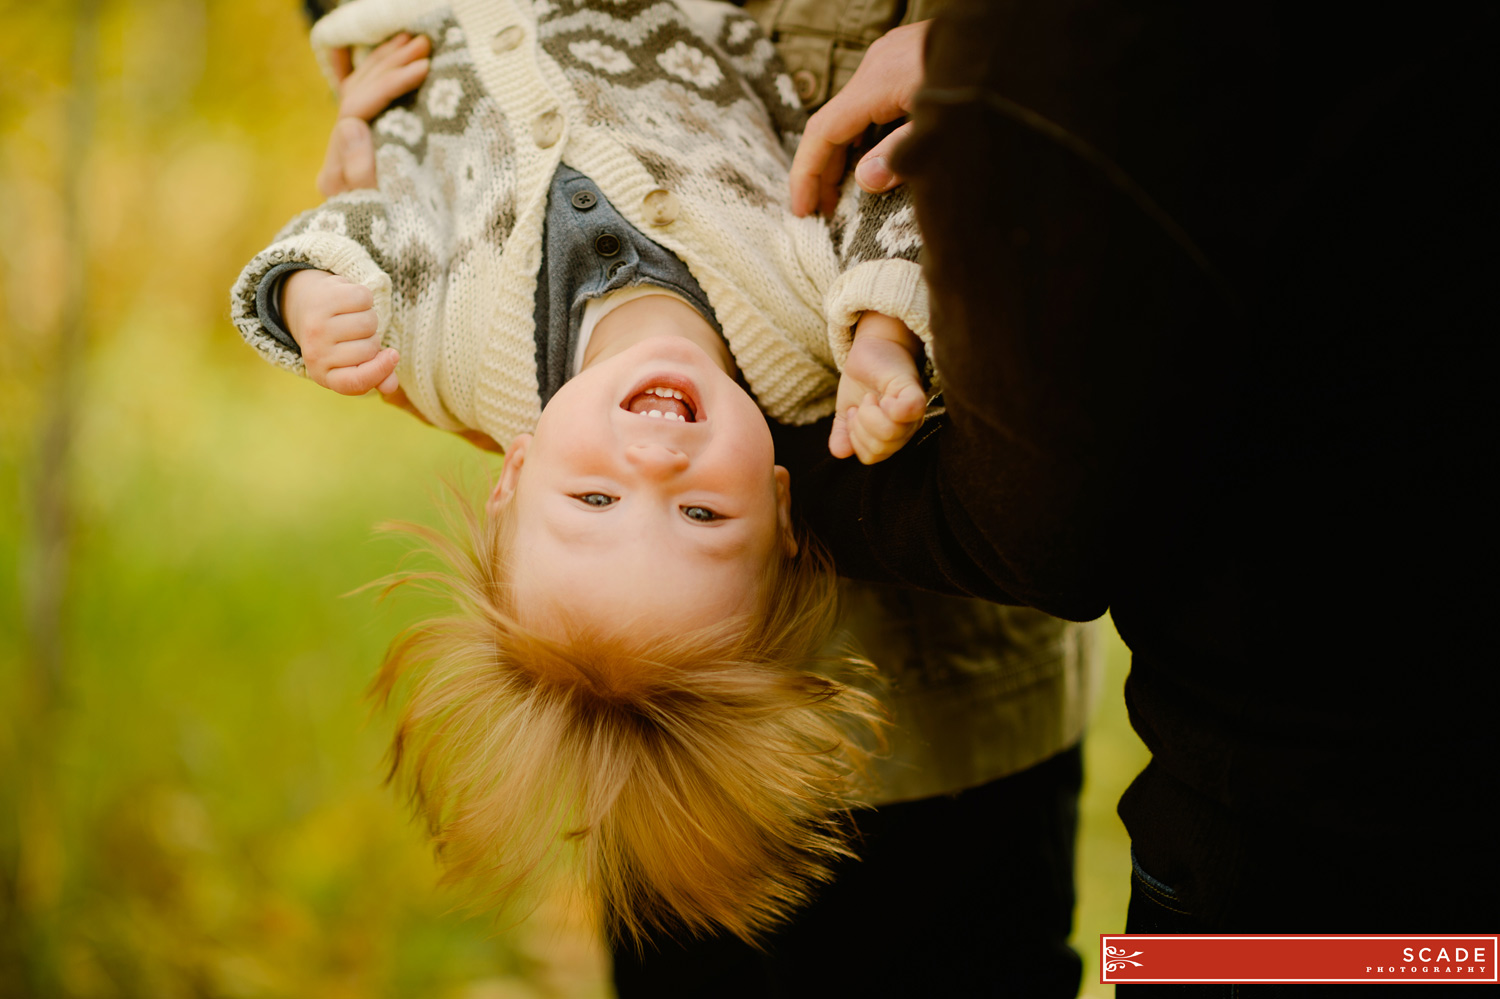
[(821, 122), (879, 51)]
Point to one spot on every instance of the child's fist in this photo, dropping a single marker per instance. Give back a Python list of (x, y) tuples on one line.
[(333, 321), (880, 399)]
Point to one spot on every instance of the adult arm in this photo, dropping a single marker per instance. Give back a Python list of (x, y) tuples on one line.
[(1074, 322)]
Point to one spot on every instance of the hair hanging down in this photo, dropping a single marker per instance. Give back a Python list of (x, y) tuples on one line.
[(697, 782)]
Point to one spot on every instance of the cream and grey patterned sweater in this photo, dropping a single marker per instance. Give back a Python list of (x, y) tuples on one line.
[(677, 111)]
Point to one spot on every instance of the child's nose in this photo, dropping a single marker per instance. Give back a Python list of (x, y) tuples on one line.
[(656, 460)]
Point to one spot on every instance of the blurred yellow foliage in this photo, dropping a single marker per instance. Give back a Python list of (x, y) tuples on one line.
[(198, 810)]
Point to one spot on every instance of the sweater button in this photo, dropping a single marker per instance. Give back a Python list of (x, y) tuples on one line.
[(607, 243), (660, 207), (506, 39), (806, 82), (584, 200), (547, 129)]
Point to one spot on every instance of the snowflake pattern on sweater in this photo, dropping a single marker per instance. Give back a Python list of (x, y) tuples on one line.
[(680, 113)]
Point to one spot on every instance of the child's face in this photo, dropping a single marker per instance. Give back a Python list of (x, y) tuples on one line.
[(641, 524)]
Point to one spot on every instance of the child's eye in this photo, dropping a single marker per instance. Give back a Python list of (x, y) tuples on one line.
[(702, 514), (595, 499)]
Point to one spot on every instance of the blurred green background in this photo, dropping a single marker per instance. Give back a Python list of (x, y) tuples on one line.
[(190, 779)]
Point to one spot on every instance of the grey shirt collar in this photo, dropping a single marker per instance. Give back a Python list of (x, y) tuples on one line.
[(589, 250)]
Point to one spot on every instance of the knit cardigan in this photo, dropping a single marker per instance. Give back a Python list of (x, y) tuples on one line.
[(679, 112)]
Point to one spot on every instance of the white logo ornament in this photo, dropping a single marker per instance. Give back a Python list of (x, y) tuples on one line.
[(1116, 958)]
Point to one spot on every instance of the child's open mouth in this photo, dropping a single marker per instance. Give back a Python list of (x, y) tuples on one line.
[(663, 402)]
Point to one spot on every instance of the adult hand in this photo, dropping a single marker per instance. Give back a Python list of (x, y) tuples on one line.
[(881, 90), (349, 163), (395, 68)]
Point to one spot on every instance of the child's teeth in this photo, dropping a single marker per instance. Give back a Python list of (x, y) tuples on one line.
[(680, 410)]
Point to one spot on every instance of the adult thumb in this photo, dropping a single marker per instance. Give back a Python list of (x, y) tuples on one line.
[(874, 173)]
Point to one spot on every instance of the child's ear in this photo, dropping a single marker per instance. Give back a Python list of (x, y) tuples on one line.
[(510, 474), (784, 510)]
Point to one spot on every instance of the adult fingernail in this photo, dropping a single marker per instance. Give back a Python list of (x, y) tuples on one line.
[(874, 174)]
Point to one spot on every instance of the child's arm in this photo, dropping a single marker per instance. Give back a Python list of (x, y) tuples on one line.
[(331, 319), (878, 319), (879, 326), (880, 398)]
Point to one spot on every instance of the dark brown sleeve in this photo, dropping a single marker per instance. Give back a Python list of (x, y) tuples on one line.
[(1070, 317)]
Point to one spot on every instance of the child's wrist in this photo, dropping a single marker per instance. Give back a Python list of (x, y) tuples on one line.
[(884, 327), (306, 280)]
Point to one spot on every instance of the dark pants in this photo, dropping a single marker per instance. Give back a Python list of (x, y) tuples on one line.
[(969, 895)]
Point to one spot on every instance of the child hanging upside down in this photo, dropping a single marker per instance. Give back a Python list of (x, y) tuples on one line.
[(580, 245)]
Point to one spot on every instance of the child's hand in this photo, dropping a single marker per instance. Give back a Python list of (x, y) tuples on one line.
[(880, 400), (396, 67), (333, 321)]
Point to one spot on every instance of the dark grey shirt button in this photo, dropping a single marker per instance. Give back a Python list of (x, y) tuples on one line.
[(584, 200), (607, 244), (615, 268)]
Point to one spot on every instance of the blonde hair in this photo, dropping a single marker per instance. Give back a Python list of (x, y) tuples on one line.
[(697, 782)]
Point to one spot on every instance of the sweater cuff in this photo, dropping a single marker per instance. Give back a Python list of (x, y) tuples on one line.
[(268, 302), (894, 288), (322, 251)]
